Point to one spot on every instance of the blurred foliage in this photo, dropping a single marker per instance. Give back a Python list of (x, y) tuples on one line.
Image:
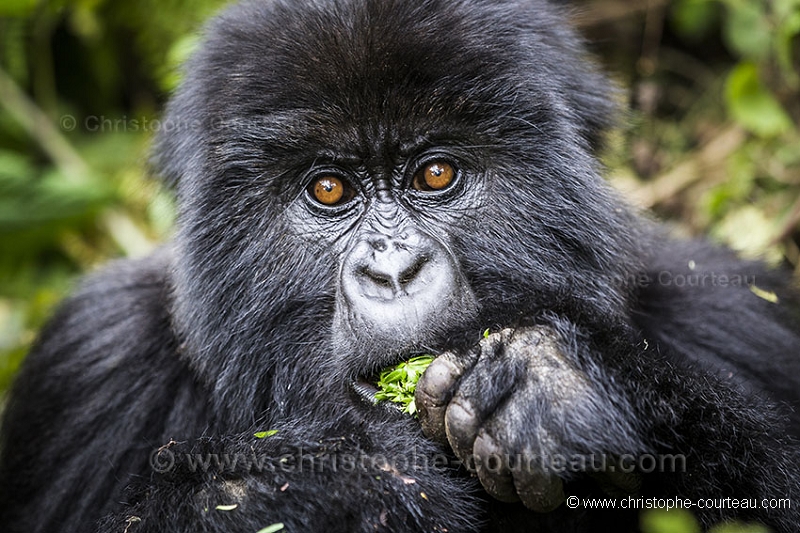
[(711, 139), (682, 521), (81, 82)]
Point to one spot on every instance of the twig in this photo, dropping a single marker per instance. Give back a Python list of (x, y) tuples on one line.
[(121, 228), (651, 38), (39, 127), (711, 155)]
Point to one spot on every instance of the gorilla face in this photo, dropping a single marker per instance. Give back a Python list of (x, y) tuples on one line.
[(391, 189), (398, 283)]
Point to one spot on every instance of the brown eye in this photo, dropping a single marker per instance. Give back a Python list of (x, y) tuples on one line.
[(330, 190), (434, 176)]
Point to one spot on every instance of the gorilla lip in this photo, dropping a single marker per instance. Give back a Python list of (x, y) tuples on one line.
[(366, 388)]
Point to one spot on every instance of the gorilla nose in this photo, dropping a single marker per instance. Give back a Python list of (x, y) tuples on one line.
[(388, 266), (398, 286), (393, 273)]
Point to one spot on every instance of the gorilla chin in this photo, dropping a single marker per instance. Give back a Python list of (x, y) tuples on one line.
[(360, 181)]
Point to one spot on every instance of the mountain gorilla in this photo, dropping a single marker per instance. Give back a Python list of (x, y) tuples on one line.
[(362, 181)]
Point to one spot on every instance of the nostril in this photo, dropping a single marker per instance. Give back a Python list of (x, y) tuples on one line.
[(379, 244), (382, 281), (408, 275), (379, 279)]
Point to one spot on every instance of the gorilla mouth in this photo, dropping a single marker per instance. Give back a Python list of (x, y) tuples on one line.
[(367, 386), (366, 389)]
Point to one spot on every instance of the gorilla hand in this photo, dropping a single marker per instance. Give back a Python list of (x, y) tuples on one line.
[(515, 407)]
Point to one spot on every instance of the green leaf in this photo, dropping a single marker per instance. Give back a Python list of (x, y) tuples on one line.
[(751, 105), (749, 231), (265, 434), (747, 30), (764, 294), (230, 507), (272, 528), (17, 8), (693, 18), (786, 8), (674, 521), (788, 30), (398, 384)]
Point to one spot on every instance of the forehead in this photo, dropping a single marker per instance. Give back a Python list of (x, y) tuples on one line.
[(388, 71)]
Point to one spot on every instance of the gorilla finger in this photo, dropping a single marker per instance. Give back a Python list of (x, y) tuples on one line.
[(435, 389), (461, 428), (492, 467), (480, 393), (431, 418), (539, 490), (490, 382)]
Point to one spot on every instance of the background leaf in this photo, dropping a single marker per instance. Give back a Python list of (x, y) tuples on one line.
[(752, 105)]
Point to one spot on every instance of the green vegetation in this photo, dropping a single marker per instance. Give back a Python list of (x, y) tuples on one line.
[(713, 133), (398, 383), (81, 84), (272, 528), (682, 521)]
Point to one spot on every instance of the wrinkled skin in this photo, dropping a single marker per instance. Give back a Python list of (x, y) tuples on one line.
[(475, 401)]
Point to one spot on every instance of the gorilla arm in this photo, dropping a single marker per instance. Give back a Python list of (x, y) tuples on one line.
[(296, 479)]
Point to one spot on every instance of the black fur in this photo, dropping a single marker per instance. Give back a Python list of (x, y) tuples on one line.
[(228, 330)]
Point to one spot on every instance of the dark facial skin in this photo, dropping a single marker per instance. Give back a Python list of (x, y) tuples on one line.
[(397, 281)]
